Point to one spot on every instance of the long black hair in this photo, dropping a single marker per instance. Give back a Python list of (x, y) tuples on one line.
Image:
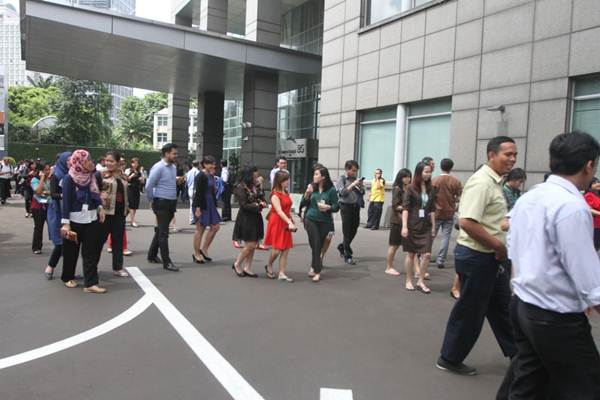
[(328, 184), (403, 173), (247, 175), (418, 178)]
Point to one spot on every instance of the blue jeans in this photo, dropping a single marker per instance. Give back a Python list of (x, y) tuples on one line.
[(446, 225), (484, 293)]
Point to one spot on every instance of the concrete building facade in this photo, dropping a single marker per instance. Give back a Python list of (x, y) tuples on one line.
[(10, 46), (440, 78)]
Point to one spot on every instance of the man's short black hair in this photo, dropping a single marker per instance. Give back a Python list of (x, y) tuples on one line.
[(495, 143), (223, 163), (195, 163), (167, 148), (447, 164), (350, 164), (570, 152), (280, 158), (516, 174)]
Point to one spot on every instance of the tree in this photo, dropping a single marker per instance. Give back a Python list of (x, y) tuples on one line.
[(26, 105), (136, 119), (82, 110), (40, 82)]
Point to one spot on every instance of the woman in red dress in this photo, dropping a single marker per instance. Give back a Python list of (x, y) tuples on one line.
[(280, 226)]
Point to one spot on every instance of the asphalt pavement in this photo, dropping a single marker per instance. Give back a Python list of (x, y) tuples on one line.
[(358, 329)]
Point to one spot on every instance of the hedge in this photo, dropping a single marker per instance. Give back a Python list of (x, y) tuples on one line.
[(48, 152)]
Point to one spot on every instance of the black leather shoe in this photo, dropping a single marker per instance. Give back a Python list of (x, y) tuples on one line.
[(460, 368), (171, 267), (155, 260), (197, 261), (341, 250)]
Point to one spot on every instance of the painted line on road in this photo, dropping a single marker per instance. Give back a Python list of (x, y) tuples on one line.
[(139, 307), (335, 394), (225, 373)]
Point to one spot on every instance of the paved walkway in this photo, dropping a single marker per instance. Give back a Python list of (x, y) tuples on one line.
[(203, 333)]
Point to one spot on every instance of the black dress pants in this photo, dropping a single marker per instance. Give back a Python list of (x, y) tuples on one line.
[(556, 357), (484, 293), (375, 211), (350, 223), (39, 219), (226, 198), (317, 232), (164, 211), (88, 236), (114, 225), (4, 189)]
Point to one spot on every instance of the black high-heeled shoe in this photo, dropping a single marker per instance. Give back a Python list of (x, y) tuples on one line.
[(206, 258), (269, 275), (250, 274), (196, 260), (239, 274)]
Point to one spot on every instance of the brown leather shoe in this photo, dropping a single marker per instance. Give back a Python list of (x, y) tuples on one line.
[(94, 289)]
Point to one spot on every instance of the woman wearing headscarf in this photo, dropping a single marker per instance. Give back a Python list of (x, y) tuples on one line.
[(55, 212), (81, 213)]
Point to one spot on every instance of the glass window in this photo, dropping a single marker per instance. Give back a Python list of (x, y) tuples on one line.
[(586, 107), (161, 137), (376, 147), (381, 9), (163, 120), (428, 132)]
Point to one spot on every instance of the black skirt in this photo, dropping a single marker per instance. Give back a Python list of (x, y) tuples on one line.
[(249, 226), (395, 235), (133, 197)]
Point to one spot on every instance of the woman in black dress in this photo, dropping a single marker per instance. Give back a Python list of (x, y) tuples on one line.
[(134, 176), (418, 225), (249, 226), (403, 178)]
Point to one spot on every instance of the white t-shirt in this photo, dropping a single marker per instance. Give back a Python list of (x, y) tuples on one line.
[(6, 171)]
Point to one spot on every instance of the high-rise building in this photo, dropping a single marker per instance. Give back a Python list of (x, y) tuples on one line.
[(118, 93), (10, 46)]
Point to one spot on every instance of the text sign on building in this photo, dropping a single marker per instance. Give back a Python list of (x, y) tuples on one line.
[(293, 148)]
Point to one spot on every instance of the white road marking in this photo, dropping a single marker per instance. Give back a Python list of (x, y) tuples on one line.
[(139, 307), (335, 394), (225, 373)]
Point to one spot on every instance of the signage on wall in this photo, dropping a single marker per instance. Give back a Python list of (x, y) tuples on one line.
[(293, 148)]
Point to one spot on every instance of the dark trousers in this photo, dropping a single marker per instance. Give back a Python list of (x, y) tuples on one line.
[(164, 211), (114, 225), (317, 233), (484, 293), (226, 198), (4, 189), (350, 222), (556, 355), (39, 219), (88, 236), (374, 212), (27, 195), (597, 239), (55, 256)]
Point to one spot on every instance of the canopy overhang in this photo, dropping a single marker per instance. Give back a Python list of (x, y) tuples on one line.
[(93, 44)]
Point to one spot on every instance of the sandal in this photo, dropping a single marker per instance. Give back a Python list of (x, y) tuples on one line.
[(71, 284), (423, 288), (409, 287), (121, 273), (285, 278), (392, 271), (316, 278), (311, 273), (270, 275)]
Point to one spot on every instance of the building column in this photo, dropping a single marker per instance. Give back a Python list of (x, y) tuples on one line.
[(213, 16), (179, 124), (211, 113), (263, 21), (259, 142)]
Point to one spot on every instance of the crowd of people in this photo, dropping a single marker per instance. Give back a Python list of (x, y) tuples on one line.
[(534, 284)]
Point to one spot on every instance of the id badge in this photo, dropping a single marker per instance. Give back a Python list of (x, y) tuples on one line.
[(84, 207), (421, 213)]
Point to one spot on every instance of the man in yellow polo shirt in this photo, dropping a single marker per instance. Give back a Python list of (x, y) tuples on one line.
[(376, 200), (480, 257)]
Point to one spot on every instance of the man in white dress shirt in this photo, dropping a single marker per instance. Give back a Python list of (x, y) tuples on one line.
[(556, 279), (190, 179)]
